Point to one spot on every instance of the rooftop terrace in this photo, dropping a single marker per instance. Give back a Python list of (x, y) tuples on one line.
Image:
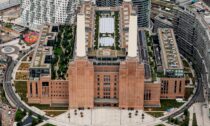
[(42, 50), (169, 50)]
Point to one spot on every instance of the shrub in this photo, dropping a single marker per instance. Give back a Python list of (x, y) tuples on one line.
[(19, 115)]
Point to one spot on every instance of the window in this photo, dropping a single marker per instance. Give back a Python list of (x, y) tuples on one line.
[(106, 78), (115, 93), (36, 88), (115, 88), (31, 89), (106, 88), (180, 86), (45, 83), (164, 87), (175, 87), (147, 95), (106, 84)]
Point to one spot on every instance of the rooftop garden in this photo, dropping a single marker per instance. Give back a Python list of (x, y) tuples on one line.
[(116, 30), (30, 38), (151, 57), (96, 30), (63, 48)]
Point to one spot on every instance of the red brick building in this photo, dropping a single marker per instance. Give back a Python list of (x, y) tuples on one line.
[(102, 75)]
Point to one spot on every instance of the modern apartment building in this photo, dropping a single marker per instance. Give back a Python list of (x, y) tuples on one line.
[(191, 27), (38, 12), (112, 3), (143, 12), (105, 70), (142, 7)]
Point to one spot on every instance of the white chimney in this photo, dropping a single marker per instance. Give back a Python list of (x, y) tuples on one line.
[(132, 36), (81, 51), (127, 0)]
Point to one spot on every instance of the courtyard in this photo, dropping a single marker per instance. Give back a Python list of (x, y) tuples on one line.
[(107, 30)]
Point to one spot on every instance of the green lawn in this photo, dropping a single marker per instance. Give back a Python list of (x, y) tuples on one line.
[(47, 107), (166, 104), (48, 124), (169, 103), (156, 114), (54, 113), (21, 89), (58, 51)]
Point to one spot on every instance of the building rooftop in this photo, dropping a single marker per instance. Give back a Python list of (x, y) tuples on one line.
[(203, 11), (169, 50), (166, 20), (42, 50), (4, 4)]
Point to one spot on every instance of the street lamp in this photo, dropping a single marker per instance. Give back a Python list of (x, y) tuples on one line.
[(142, 116), (69, 116)]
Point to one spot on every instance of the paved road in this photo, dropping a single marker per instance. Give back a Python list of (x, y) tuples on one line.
[(8, 86)]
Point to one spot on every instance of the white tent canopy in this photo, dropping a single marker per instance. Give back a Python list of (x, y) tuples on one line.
[(106, 25)]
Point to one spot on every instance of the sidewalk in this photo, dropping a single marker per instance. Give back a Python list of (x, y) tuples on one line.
[(202, 114), (191, 111)]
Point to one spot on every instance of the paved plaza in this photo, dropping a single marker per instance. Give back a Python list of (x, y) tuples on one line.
[(103, 117)]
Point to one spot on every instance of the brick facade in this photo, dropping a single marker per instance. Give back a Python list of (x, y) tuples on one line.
[(172, 88), (152, 94), (47, 91), (91, 85), (81, 84), (131, 84)]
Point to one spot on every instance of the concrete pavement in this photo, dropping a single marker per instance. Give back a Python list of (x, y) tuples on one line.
[(201, 112)]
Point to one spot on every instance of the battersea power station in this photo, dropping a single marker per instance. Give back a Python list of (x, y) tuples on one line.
[(114, 63)]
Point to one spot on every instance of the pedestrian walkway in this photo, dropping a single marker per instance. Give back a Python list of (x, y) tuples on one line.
[(105, 117), (202, 114), (191, 111)]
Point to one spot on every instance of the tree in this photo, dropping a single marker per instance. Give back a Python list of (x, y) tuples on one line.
[(40, 118), (185, 112), (34, 122), (29, 113), (19, 123), (19, 115), (176, 121)]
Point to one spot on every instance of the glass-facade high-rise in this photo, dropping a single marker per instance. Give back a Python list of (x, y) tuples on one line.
[(142, 6)]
